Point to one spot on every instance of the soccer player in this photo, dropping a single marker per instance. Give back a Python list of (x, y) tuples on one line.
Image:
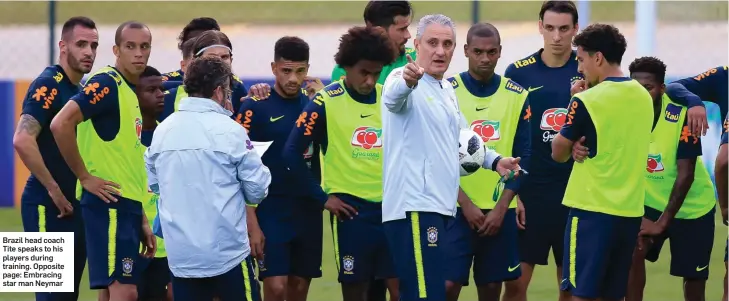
[(547, 75), (679, 200), (606, 191), (218, 158), (215, 43), (722, 189), (422, 122), (484, 231), (394, 17), (193, 29), (108, 161), (48, 202), (290, 221), (344, 121)]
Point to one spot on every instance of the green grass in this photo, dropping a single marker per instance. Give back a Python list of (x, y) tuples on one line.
[(661, 286), (322, 12)]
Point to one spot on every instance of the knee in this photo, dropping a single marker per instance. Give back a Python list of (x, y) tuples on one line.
[(515, 287), (276, 289)]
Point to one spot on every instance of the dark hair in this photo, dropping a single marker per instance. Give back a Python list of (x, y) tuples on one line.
[(560, 7), (365, 43), (649, 64), (482, 30), (197, 24), (210, 38), (602, 38), (150, 71), (125, 25), (383, 13), (206, 74), (292, 49), (187, 48), (70, 24)]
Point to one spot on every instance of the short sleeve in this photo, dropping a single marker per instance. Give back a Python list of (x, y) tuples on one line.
[(338, 73), (41, 101), (98, 96), (689, 145), (578, 120)]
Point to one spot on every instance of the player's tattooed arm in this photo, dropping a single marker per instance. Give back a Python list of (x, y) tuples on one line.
[(24, 142)]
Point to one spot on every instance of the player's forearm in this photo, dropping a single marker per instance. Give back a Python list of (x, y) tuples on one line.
[(505, 200), (252, 219), (561, 149), (680, 189), (720, 176), (64, 132), (522, 148), (463, 198), (680, 95), (294, 159), (27, 148)]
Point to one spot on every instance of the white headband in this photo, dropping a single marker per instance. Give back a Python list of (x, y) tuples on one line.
[(212, 46)]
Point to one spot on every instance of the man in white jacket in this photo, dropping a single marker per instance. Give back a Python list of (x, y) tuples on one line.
[(421, 125), (205, 169)]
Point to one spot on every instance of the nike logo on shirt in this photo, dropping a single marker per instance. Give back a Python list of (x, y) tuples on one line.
[(481, 109), (530, 89), (365, 116), (277, 118)]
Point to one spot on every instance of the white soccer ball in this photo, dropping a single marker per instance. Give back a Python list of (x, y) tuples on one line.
[(471, 152)]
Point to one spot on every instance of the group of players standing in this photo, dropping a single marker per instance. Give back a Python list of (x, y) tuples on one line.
[(101, 134)]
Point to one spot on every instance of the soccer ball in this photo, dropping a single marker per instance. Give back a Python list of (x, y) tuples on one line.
[(471, 152)]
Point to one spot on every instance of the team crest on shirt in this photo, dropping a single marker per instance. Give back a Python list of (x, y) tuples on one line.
[(487, 129), (127, 267), (348, 264), (654, 163), (432, 237), (574, 79)]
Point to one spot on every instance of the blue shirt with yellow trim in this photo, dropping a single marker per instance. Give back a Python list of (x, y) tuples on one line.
[(46, 95), (711, 86)]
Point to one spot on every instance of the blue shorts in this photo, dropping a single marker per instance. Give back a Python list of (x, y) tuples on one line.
[(154, 280), (113, 240), (691, 243), (599, 254), (546, 219), (495, 258), (44, 218), (294, 246), (416, 248), (238, 284), (360, 246)]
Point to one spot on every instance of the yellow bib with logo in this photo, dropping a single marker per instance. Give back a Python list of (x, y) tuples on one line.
[(662, 168), (495, 119), (122, 159), (613, 182), (352, 163)]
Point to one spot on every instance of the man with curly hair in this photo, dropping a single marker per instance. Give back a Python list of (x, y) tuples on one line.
[(679, 200), (344, 120), (606, 189)]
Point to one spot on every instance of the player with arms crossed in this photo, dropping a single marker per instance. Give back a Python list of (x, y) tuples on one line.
[(547, 74), (286, 228), (108, 161), (422, 122), (612, 117), (722, 189), (48, 202), (344, 121), (193, 29), (484, 231), (679, 200)]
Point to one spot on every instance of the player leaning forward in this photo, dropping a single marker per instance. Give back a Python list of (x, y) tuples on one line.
[(421, 122)]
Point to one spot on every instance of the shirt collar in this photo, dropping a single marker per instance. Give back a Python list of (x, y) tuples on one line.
[(202, 105)]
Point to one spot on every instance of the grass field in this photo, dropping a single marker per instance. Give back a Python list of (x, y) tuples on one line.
[(661, 286), (322, 12)]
